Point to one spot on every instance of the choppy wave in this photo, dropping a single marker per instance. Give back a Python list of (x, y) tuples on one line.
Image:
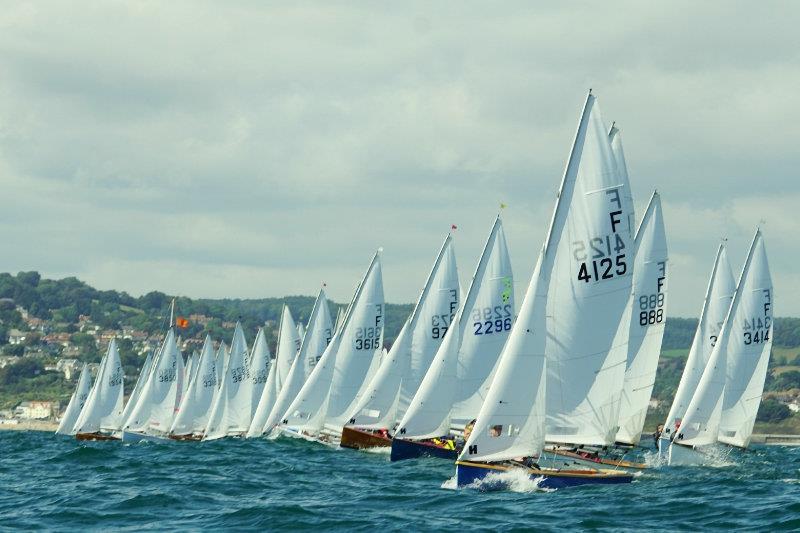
[(57, 483)]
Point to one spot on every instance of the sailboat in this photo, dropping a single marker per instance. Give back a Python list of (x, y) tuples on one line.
[(192, 416), (260, 368), (76, 403), (221, 360), (457, 380), (286, 352), (160, 399), (327, 398), (232, 409), (390, 391), (315, 341), (556, 376), (717, 301), (724, 407), (102, 413)]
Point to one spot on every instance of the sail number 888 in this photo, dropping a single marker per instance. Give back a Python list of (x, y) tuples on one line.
[(651, 309)]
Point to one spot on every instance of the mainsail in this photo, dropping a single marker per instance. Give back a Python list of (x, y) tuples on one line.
[(588, 267), (721, 286), (385, 399), (459, 375), (260, 368), (192, 416), (315, 341), (103, 408), (335, 382), (76, 403), (645, 327), (748, 345), (746, 332), (232, 407)]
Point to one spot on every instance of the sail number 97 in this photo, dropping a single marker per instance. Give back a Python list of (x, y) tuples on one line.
[(488, 320)]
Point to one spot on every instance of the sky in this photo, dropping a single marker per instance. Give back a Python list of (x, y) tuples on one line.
[(254, 149)]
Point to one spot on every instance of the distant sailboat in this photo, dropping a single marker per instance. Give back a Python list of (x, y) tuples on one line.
[(232, 408), (724, 407), (192, 417), (324, 403), (102, 413), (76, 403), (389, 392), (144, 375), (458, 378), (717, 302), (260, 368), (557, 374), (286, 352), (315, 341), (152, 417)]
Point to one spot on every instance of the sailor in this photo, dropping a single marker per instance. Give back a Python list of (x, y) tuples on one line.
[(657, 434)]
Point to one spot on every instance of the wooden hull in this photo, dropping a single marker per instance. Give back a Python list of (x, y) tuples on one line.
[(359, 439), (96, 436), (412, 449), (468, 473), (571, 459)]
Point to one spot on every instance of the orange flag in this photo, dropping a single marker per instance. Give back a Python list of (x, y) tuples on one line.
[(181, 322)]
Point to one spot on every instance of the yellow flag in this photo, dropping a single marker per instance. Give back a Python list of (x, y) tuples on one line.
[(503, 206)]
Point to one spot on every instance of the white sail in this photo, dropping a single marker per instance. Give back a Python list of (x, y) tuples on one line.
[(160, 397), (231, 411), (221, 360), (511, 422), (404, 366), (750, 313), (141, 381), (335, 382), (590, 262), (315, 341), (288, 344), (457, 381), (648, 304), (301, 331), (188, 374), (748, 345), (76, 403), (195, 407), (103, 407), (259, 370), (719, 294), (615, 138)]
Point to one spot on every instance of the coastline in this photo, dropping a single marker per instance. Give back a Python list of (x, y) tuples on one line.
[(31, 425)]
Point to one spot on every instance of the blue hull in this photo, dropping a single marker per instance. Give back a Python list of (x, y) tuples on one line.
[(409, 449), (469, 473)]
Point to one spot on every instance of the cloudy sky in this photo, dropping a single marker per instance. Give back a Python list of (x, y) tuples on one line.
[(245, 149)]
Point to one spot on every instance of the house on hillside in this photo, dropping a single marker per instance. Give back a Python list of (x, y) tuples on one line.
[(6, 360), (16, 336), (71, 368), (36, 410)]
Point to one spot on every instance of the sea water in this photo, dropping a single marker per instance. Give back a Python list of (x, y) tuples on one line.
[(53, 482)]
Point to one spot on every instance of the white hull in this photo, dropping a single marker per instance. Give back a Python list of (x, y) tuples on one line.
[(680, 455), (132, 436)]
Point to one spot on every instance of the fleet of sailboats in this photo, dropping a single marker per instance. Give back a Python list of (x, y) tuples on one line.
[(559, 391)]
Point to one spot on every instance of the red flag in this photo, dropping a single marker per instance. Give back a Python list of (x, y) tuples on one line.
[(181, 322), (453, 226)]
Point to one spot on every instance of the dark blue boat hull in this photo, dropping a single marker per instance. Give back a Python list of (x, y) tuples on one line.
[(469, 473), (409, 449)]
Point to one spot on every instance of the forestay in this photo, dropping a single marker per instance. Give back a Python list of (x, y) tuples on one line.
[(336, 379), (288, 344), (103, 407), (749, 319), (748, 347), (231, 409), (76, 403), (719, 295), (315, 341), (192, 416), (403, 367), (589, 245), (648, 306), (458, 378)]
